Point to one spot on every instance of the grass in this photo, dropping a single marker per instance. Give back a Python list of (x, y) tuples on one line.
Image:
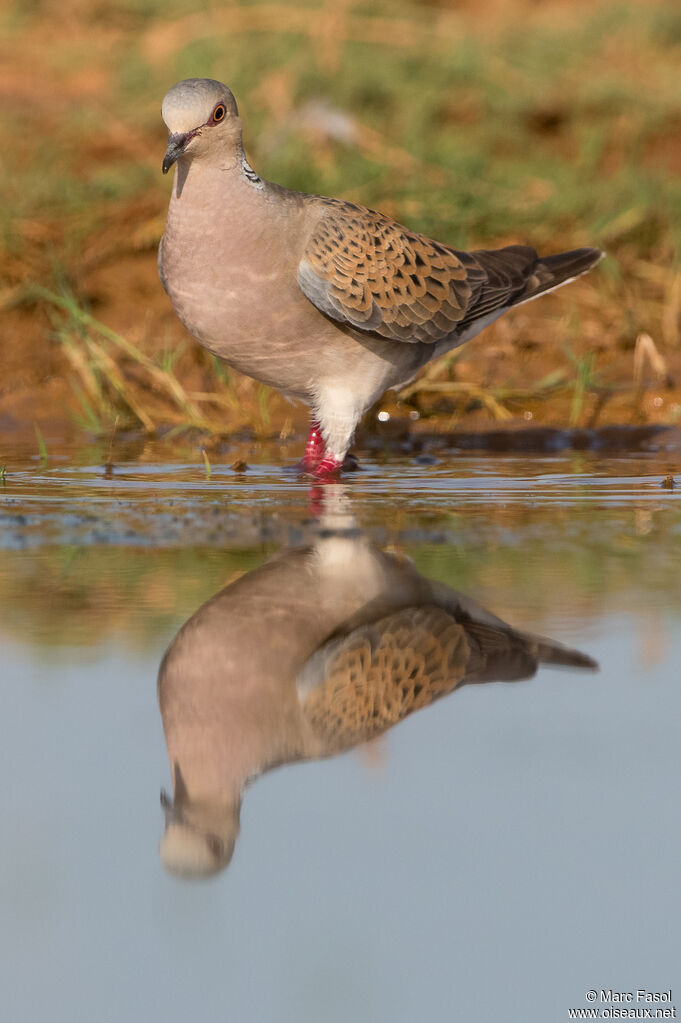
[(585, 381), (42, 446), (554, 124), (109, 392)]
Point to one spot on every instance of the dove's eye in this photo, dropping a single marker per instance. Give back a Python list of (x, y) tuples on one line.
[(218, 113)]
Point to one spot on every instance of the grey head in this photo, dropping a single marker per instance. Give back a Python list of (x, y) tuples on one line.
[(199, 837), (202, 118)]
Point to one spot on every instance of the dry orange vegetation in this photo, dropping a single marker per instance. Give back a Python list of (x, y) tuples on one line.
[(548, 122)]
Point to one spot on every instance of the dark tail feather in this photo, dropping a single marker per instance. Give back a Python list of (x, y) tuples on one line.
[(500, 654), (548, 651), (553, 271)]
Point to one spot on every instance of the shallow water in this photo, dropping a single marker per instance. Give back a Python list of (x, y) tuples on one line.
[(492, 857)]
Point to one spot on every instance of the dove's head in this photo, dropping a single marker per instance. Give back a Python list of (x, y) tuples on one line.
[(199, 838), (201, 116)]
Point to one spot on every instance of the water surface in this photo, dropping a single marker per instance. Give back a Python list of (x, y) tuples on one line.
[(491, 857)]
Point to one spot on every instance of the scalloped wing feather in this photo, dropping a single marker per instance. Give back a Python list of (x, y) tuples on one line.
[(364, 269), (356, 686)]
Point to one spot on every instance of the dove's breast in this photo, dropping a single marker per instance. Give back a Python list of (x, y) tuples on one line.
[(228, 261)]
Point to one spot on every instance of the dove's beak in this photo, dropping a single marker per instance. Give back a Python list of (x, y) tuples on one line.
[(177, 144)]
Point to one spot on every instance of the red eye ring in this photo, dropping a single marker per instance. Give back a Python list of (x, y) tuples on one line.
[(218, 113)]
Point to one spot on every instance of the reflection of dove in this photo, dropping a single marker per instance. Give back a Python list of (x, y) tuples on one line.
[(328, 301), (321, 648)]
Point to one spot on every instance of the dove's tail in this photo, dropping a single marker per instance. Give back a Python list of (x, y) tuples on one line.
[(548, 651), (551, 272)]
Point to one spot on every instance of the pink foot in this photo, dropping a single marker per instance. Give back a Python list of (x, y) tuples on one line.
[(328, 469)]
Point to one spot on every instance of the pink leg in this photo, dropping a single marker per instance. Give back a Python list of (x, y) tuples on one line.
[(314, 449), (318, 461)]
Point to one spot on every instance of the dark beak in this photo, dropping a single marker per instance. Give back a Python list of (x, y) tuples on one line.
[(176, 147), (170, 811)]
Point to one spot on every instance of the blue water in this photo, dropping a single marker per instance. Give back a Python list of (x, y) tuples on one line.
[(491, 858)]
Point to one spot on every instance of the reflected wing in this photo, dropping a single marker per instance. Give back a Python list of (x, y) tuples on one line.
[(361, 683), (358, 685)]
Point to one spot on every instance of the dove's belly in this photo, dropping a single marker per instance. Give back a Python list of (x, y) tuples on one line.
[(231, 277)]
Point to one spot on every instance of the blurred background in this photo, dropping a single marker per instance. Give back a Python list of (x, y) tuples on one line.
[(553, 123)]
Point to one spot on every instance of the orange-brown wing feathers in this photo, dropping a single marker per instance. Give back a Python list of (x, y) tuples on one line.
[(362, 268), (356, 686)]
